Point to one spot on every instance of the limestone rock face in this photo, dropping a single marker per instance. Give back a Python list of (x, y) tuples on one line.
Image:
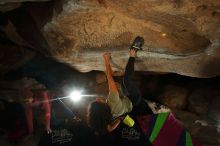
[(181, 36), (214, 109), (174, 97), (16, 1), (12, 57), (200, 99)]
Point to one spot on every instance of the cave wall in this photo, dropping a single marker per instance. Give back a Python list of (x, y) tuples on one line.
[(181, 36)]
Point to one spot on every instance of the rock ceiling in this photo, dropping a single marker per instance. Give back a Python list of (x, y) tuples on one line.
[(181, 36)]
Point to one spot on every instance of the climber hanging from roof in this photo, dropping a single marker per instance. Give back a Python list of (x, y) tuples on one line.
[(142, 127), (105, 115)]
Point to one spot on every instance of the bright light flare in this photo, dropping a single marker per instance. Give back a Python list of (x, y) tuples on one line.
[(75, 96), (163, 34)]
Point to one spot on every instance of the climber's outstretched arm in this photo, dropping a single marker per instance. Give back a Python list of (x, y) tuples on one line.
[(111, 82)]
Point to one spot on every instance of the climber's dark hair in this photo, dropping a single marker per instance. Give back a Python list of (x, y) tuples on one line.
[(99, 116)]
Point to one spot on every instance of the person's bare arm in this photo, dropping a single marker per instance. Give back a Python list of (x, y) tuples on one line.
[(111, 82), (114, 124)]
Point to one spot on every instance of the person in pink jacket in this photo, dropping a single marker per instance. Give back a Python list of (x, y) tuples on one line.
[(37, 98)]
